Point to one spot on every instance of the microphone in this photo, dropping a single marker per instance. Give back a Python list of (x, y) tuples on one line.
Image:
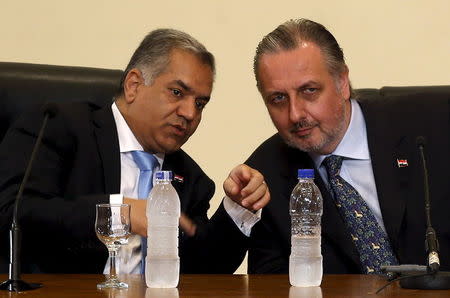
[(424, 277), (15, 283), (431, 242)]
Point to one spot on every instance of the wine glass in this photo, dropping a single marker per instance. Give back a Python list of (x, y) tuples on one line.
[(112, 226)]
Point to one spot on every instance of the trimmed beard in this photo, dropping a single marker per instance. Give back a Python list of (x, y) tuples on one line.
[(326, 137)]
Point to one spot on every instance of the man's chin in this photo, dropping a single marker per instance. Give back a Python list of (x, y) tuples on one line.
[(298, 146), (170, 143), (303, 143), (321, 147), (165, 147), (171, 148)]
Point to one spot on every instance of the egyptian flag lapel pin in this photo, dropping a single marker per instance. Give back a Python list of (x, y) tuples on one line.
[(402, 163), (178, 178)]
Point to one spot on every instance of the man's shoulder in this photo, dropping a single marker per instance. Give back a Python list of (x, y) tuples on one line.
[(63, 115), (405, 103), (274, 153), (272, 145), (77, 108), (66, 112)]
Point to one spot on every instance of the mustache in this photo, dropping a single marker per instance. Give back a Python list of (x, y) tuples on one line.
[(181, 123), (302, 124)]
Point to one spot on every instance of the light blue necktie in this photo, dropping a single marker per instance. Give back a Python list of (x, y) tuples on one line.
[(370, 240), (146, 163)]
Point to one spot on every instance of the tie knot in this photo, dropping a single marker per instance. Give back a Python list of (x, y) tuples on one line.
[(333, 164), (145, 161)]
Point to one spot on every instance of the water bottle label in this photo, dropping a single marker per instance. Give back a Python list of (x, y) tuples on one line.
[(164, 175)]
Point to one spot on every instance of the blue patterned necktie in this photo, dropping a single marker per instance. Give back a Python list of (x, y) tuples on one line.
[(370, 240), (146, 163)]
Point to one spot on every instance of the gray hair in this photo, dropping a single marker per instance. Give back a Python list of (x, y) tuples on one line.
[(291, 34), (153, 54)]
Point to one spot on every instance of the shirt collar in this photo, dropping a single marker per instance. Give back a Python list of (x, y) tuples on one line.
[(354, 143), (127, 140)]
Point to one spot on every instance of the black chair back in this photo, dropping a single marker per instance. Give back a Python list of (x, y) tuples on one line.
[(23, 85)]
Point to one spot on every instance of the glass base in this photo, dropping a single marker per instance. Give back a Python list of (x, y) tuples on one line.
[(112, 284)]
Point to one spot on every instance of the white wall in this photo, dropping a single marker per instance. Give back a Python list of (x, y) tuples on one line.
[(386, 42)]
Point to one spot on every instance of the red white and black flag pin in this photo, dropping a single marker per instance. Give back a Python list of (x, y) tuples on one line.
[(178, 178), (402, 163)]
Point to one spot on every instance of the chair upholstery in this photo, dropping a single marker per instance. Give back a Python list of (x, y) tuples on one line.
[(386, 92), (23, 85)]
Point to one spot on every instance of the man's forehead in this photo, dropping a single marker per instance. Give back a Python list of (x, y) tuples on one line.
[(303, 51), (184, 63), (178, 54), (293, 68), (205, 94), (301, 58)]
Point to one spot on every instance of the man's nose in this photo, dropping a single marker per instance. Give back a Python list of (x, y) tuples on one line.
[(297, 109), (187, 109)]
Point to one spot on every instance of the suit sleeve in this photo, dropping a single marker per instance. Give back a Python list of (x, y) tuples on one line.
[(47, 216), (269, 240), (218, 246)]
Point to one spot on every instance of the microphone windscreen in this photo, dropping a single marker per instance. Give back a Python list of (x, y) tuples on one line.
[(421, 141), (51, 109)]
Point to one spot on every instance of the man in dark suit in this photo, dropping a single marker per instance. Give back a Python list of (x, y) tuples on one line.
[(303, 79), (87, 158)]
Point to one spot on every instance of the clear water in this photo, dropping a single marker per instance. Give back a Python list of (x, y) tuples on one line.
[(305, 262), (162, 272), (162, 268), (163, 242)]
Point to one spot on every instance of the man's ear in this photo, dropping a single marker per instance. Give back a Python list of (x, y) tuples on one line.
[(131, 84), (344, 84)]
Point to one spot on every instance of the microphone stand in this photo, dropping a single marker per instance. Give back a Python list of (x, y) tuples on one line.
[(15, 283), (435, 279)]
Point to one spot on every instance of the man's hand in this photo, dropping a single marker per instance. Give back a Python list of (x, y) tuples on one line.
[(187, 225), (138, 218), (246, 187)]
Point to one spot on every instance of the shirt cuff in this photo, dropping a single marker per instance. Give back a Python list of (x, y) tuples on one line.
[(243, 218), (116, 199)]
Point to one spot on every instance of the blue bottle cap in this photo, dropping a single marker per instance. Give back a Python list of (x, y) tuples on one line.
[(305, 173), (164, 175)]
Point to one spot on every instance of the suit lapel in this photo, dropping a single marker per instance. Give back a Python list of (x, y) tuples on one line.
[(172, 163), (108, 147), (390, 154)]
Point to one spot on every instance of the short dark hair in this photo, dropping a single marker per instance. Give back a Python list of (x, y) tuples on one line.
[(152, 55), (291, 34)]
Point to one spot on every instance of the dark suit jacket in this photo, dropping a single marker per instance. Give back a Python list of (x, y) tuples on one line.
[(392, 127), (78, 166)]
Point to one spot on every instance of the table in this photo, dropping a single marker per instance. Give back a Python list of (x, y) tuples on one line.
[(216, 285)]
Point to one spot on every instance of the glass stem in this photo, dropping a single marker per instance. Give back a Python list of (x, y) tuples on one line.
[(112, 264)]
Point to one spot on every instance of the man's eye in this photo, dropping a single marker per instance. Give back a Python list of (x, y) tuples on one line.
[(200, 105), (278, 98), (310, 90), (177, 92)]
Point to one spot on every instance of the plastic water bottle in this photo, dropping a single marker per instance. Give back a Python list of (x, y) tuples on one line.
[(162, 264), (305, 262)]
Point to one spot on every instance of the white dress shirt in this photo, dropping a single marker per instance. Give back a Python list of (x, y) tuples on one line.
[(243, 218), (129, 257), (357, 166)]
